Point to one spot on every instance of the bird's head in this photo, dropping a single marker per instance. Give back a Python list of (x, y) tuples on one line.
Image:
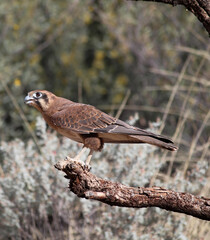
[(42, 100)]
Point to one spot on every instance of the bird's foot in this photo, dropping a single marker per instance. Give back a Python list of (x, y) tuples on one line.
[(76, 160), (85, 166)]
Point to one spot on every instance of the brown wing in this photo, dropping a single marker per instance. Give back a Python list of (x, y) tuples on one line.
[(85, 119), (82, 118)]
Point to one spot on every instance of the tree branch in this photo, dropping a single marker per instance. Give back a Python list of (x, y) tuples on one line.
[(200, 8), (86, 185)]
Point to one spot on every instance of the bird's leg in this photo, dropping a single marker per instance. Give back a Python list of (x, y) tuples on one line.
[(77, 158), (87, 162)]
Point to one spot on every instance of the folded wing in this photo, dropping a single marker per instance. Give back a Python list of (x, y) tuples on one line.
[(86, 119)]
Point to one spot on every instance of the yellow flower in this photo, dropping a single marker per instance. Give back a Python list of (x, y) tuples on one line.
[(122, 79), (16, 27), (34, 59), (17, 82), (99, 55), (87, 18), (118, 98), (98, 64), (65, 58), (113, 54)]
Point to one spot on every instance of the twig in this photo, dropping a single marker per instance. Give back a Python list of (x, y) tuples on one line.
[(173, 93), (86, 185), (173, 111), (185, 111), (194, 142), (168, 88), (164, 72), (193, 51), (122, 106), (79, 86)]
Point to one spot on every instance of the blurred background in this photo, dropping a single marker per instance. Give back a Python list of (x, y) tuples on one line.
[(145, 63)]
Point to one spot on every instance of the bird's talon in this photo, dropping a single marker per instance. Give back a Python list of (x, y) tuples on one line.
[(87, 167), (75, 160), (81, 163)]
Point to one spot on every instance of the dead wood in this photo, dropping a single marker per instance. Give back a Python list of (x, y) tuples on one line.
[(86, 185)]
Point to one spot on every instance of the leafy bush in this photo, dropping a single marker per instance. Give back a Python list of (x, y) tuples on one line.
[(36, 204)]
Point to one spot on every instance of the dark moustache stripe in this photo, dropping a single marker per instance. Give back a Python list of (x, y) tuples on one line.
[(45, 97), (39, 104)]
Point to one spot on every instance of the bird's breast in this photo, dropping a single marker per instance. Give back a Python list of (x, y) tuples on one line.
[(70, 134), (63, 131)]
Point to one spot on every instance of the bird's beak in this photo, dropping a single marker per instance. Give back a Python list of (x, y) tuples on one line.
[(28, 100)]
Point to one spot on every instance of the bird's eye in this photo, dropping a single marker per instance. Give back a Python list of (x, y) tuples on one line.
[(37, 94)]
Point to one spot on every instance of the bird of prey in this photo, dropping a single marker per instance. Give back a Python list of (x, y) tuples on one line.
[(85, 124)]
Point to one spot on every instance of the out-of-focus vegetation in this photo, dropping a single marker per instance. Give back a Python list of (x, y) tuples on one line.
[(36, 204), (95, 51), (98, 52)]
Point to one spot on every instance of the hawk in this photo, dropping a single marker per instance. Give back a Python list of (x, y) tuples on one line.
[(86, 124)]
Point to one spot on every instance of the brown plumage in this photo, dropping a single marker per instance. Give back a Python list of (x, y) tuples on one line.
[(86, 124)]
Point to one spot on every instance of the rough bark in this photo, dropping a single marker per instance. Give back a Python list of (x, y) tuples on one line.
[(86, 185), (200, 8)]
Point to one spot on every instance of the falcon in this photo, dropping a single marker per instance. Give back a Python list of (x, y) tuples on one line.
[(86, 124)]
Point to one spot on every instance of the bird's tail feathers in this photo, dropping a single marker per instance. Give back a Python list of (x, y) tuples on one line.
[(158, 141)]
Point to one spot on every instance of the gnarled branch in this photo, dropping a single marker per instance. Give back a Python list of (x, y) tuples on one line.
[(200, 8), (86, 185)]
